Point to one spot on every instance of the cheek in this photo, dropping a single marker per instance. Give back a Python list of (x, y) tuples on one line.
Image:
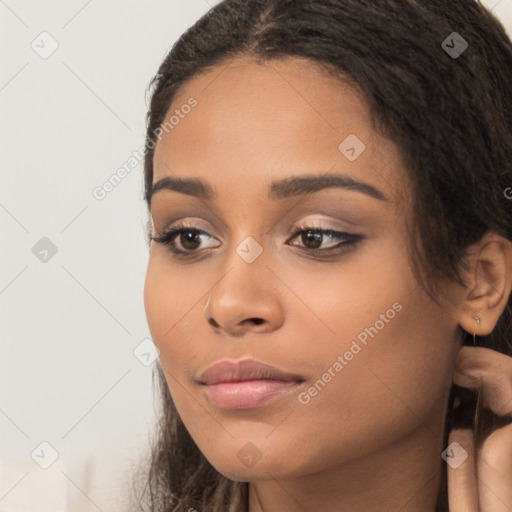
[(174, 311), (396, 345), (387, 387), (169, 300)]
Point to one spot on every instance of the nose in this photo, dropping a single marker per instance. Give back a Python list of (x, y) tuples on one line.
[(245, 300)]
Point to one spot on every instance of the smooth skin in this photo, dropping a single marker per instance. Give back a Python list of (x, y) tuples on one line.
[(371, 439)]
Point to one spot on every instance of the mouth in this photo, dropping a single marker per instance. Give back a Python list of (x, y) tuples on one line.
[(247, 383)]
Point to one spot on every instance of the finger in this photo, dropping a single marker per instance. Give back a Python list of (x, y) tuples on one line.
[(487, 370), (461, 472), (494, 469), (490, 373)]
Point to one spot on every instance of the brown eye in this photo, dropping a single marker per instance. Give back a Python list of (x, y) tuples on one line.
[(183, 240), (312, 239), (190, 239)]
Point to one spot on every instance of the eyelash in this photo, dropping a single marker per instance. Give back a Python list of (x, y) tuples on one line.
[(168, 237)]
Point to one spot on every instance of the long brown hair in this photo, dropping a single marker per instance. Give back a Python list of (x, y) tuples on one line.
[(450, 117)]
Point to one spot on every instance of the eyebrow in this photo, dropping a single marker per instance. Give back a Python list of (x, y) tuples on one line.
[(282, 189)]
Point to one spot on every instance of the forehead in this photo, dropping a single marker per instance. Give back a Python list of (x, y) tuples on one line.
[(259, 121)]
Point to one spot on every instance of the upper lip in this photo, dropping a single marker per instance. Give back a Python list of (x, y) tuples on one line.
[(241, 370)]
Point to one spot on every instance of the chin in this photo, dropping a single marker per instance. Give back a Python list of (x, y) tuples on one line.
[(247, 464)]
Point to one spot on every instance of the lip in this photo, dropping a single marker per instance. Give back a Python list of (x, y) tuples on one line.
[(246, 383)]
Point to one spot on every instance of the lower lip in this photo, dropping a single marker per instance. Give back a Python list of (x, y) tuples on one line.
[(249, 393)]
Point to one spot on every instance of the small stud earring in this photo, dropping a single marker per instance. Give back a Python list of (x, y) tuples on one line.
[(476, 417), (474, 334)]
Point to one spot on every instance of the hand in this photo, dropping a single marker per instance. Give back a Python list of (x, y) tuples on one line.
[(483, 482)]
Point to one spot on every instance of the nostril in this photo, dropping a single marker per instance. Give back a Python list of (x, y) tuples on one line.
[(256, 321), (213, 322)]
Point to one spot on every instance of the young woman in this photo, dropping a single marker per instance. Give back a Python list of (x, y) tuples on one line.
[(330, 271)]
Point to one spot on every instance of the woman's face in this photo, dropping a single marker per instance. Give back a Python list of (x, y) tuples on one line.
[(368, 356)]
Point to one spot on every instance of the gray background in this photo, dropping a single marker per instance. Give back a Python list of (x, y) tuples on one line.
[(72, 320)]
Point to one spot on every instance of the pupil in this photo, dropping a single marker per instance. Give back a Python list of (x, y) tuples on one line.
[(312, 236), (189, 237)]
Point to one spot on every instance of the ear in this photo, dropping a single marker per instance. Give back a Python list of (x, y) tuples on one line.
[(489, 283)]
